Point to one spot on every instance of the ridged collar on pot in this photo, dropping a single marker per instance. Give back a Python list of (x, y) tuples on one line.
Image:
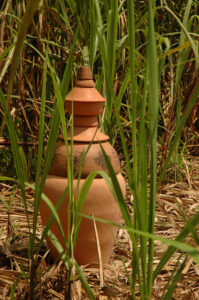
[(85, 91), (87, 104)]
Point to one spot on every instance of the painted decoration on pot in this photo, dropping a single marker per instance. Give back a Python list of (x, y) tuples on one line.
[(87, 105)]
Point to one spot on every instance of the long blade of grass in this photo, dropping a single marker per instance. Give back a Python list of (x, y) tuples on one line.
[(9, 52), (133, 104), (59, 247), (84, 282), (133, 101), (15, 151), (175, 280), (27, 18), (80, 201), (143, 182), (181, 123), (69, 161), (123, 208), (183, 54), (104, 55), (93, 42), (185, 248), (54, 214), (5, 178), (153, 123), (181, 236), (112, 36), (39, 161), (107, 66), (188, 36), (122, 90)]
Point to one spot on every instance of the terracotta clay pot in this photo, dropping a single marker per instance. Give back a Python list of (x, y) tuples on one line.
[(93, 160), (87, 105), (99, 204)]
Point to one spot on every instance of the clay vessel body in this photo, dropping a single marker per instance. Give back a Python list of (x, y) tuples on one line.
[(93, 159), (99, 203), (87, 105)]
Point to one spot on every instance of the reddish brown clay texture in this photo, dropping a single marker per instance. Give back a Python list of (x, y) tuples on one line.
[(99, 203), (87, 105)]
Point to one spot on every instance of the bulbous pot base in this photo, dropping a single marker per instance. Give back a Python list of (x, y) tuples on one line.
[(99, 203)]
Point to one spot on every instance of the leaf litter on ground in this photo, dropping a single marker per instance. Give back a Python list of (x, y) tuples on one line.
[(175, 201)]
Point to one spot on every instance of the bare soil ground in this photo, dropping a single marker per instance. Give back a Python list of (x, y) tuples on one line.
[(174, 200)]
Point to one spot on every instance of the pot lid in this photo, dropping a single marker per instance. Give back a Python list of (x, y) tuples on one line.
[(87, 105), (84, 90)]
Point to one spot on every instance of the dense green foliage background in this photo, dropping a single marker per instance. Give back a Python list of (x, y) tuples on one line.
[(54, 26), (144, 56)]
